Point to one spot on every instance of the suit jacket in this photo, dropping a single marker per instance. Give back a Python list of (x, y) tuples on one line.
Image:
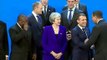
[(21, 43), (82, 8), (99, 39), (45, 17), (36, 30), (3, 41), (65, 21), (78, 38), (51, 42)]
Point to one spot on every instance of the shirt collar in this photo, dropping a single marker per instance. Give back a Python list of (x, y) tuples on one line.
[(19, 25), (99, 20), (34, 13), (80, 27)]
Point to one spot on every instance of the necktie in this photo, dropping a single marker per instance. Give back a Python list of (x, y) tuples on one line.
[(39, 20), (84, 30), (70, 16), (45, 10)]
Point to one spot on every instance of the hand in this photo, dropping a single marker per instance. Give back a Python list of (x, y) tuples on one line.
[(86, 40), (54, 54), (68, 35), (7, 57), (59, 55), (34, 57), (25, 27)]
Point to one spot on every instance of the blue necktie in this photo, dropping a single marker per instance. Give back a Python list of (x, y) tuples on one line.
[(84, 30), (39, 19), (69, 18)]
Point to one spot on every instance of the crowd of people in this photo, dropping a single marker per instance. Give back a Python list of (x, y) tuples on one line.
[(49, 35)]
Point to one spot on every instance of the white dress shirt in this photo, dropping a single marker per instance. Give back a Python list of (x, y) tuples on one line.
[(72, 13)]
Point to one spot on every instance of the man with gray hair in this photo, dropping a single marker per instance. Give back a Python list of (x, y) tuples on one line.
[(46, 11), (36, 23)]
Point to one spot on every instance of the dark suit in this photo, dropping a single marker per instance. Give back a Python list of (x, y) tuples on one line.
[(3, 41), (78, 37), (21, 43), (69, 26), (73, 22), (45, 17), (52, 42), (82, 8), (37, 35), (99, 39)]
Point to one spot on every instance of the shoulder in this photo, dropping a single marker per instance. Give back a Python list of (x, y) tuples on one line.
[(63, 12), (2, 23), (30, 16), (14, 27), (62, 27), (75, 29), (47, 27)]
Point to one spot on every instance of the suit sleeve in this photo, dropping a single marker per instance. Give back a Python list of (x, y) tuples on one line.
[(16, 37), (76, 40), (94, 36), (64, 41), (45, 41), (3, 39)]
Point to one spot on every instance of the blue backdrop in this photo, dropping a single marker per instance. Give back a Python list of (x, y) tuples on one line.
[(10, 9)]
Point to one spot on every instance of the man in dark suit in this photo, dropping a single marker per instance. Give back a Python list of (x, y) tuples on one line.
[(3, 41), (80, 7), (20, 35), (46, 11), (69, 18), (79, 34), (98, 36), (36, 23)]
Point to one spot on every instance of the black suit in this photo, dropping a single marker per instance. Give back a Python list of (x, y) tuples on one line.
[(69, 26), (99, 39), (37, 35), (45, 17), (73, 22), (3, 41), (82, 8), (21, 43)]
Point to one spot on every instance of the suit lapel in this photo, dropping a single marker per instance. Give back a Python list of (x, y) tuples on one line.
[(35, 22)]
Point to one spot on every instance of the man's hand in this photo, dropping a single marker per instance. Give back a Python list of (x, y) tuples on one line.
[(7, 57), (25, 27), (68, 35), (34, 57)]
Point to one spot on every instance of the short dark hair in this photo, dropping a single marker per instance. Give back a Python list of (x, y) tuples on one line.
[(81, 14), (21, 17), (36, 4), (98, 14)]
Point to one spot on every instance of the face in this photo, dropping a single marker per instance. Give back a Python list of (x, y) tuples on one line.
[(94, 19), (70, 3), (22, 22), (38, 9), (82, 21), (57, 21), (44, 2)]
